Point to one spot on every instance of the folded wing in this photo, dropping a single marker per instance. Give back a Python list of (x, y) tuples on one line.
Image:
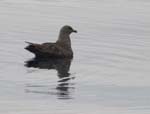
[(44, 50)]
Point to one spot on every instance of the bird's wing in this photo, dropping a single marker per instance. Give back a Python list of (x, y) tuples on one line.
[(45, 49), (50, 49)]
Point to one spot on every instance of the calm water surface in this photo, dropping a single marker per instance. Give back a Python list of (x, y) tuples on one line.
[(109, 74)]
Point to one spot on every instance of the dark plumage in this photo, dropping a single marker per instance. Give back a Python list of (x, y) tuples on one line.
[(61, 48)]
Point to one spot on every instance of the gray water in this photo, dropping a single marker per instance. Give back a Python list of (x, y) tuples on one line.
[(110, 71)]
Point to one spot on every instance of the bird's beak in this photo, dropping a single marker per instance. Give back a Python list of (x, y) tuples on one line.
[(75, 31)]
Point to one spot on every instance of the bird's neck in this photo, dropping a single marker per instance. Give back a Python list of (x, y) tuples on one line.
[(64, 41)]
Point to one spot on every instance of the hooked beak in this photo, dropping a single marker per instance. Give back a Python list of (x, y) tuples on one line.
[(75, 31)]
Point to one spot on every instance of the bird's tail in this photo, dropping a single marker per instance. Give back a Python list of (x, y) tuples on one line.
[(31, 47), (28, 42)]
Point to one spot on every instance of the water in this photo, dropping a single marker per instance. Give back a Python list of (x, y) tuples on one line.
[(109, 73)]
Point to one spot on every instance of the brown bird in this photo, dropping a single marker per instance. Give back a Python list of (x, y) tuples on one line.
[(60, 49)]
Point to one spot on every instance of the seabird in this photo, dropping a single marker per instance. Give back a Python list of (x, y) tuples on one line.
[(60, 49)]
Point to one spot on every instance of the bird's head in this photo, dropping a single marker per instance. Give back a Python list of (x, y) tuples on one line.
[(67, 30)]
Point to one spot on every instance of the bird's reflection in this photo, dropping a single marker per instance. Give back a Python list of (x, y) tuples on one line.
[(62, 66)]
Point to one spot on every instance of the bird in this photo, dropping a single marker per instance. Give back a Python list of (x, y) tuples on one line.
[(59, 49)]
